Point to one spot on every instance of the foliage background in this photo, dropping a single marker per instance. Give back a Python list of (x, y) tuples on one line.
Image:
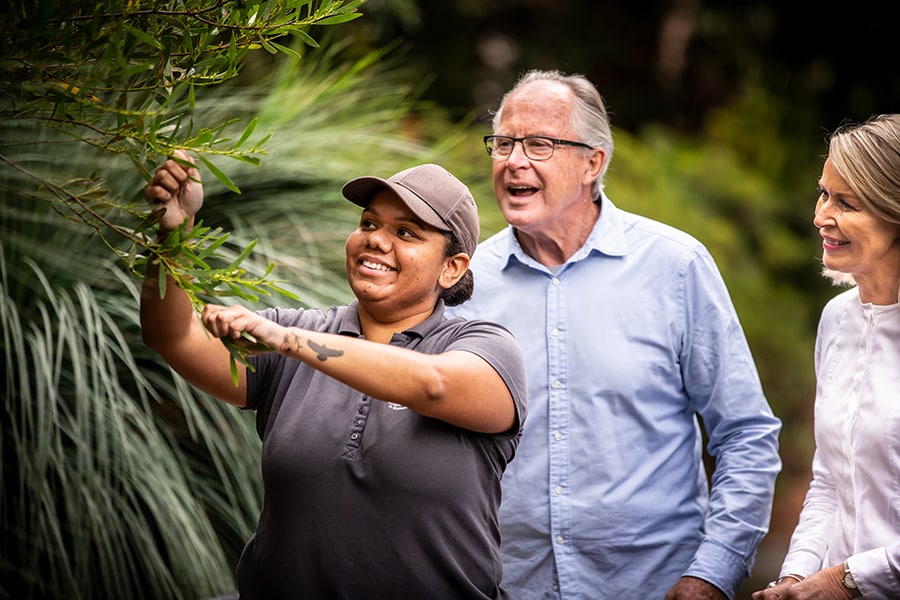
[(118, 480)]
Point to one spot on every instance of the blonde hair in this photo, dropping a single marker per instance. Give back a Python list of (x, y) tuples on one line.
[(867, 156)]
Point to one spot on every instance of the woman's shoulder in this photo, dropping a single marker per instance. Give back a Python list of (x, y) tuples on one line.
[(307, 318), (463, 326), (837, 309), (841, 301)]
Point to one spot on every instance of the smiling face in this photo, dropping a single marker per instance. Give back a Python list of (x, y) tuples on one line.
[(396, 264), (548, 197), (856, 241)]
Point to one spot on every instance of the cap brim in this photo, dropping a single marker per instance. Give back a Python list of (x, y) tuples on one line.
[(361, 190)]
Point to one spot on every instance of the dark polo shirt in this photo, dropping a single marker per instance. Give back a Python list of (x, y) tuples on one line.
[(367, 499)]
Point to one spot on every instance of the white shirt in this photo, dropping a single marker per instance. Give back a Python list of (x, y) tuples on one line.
[(853, 503)]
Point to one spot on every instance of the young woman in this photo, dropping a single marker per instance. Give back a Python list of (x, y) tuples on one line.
[(385, 427)]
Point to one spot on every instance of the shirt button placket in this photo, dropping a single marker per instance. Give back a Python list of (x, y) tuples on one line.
[(558, 410)]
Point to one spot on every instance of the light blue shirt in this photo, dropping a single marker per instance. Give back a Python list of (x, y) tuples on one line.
[(625, 345)]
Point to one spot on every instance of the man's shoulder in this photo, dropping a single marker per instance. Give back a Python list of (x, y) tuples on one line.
[(641, 226), (495, 246), (492, 255)]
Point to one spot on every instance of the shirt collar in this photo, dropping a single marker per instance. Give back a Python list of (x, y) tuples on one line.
[(607, 237), (350, 326)]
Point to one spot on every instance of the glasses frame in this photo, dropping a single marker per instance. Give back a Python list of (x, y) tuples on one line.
[(554, 142)]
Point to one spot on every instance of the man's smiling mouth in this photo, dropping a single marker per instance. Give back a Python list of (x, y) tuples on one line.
[(521, 190)]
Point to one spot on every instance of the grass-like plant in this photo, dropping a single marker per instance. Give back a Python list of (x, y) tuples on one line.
[(119, 480)]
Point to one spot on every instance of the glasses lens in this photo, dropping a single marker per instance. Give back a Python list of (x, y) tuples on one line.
[(500, 147), (538, 148)]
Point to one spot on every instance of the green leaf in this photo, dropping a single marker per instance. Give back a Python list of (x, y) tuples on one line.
[(306, 38), (194, 258), (222, 177), (246, 252), (162, 283), (252, 344), (241, 293), (286, 50), (248, 131), (238, 352), (203, 138), (250, 160), (335, 20), (143, 36), (259, 144), (285, 293), (268, 46), (235, 379), (211, 248)]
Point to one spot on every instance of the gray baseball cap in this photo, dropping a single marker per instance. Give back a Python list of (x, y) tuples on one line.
[(432, 193)]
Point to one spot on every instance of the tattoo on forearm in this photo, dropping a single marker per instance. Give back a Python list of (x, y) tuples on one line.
[(293, 342), (323, 353)]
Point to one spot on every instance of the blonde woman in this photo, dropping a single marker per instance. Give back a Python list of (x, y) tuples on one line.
[(847, 542)]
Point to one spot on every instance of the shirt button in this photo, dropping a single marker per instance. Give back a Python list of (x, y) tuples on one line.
[(559, 539), (557, 384), (558, 489), (354, 436), (557, 436), (554, 332), (555, 281)]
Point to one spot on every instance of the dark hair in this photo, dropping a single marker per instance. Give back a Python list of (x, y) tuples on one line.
[(462, 289)]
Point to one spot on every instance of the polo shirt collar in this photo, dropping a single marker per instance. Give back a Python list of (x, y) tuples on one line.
[(349, 324)]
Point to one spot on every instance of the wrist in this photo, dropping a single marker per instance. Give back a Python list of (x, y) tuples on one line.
[(849, 582)]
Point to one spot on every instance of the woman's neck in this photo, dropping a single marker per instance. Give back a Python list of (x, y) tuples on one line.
[(381, 328)]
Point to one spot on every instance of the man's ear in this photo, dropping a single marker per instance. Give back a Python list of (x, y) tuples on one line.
[(595, 164)]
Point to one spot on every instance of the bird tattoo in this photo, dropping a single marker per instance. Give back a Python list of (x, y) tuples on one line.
[(323, 353)]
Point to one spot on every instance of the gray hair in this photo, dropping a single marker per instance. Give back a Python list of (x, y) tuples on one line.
[(590, 120), (867, 156)]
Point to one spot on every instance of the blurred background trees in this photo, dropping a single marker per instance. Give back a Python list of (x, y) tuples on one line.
[(118, 480)]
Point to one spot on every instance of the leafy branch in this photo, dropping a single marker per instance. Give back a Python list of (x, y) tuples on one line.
[(187, 254), (122, 78)]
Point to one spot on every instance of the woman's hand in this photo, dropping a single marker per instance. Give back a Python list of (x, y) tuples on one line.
[(827, 584), (177, 190), (776, 592), (243, 328)]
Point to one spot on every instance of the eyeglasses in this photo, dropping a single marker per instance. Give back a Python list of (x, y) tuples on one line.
[(536, 147)]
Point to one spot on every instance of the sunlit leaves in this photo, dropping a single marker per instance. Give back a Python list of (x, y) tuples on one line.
[(121, 78)]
